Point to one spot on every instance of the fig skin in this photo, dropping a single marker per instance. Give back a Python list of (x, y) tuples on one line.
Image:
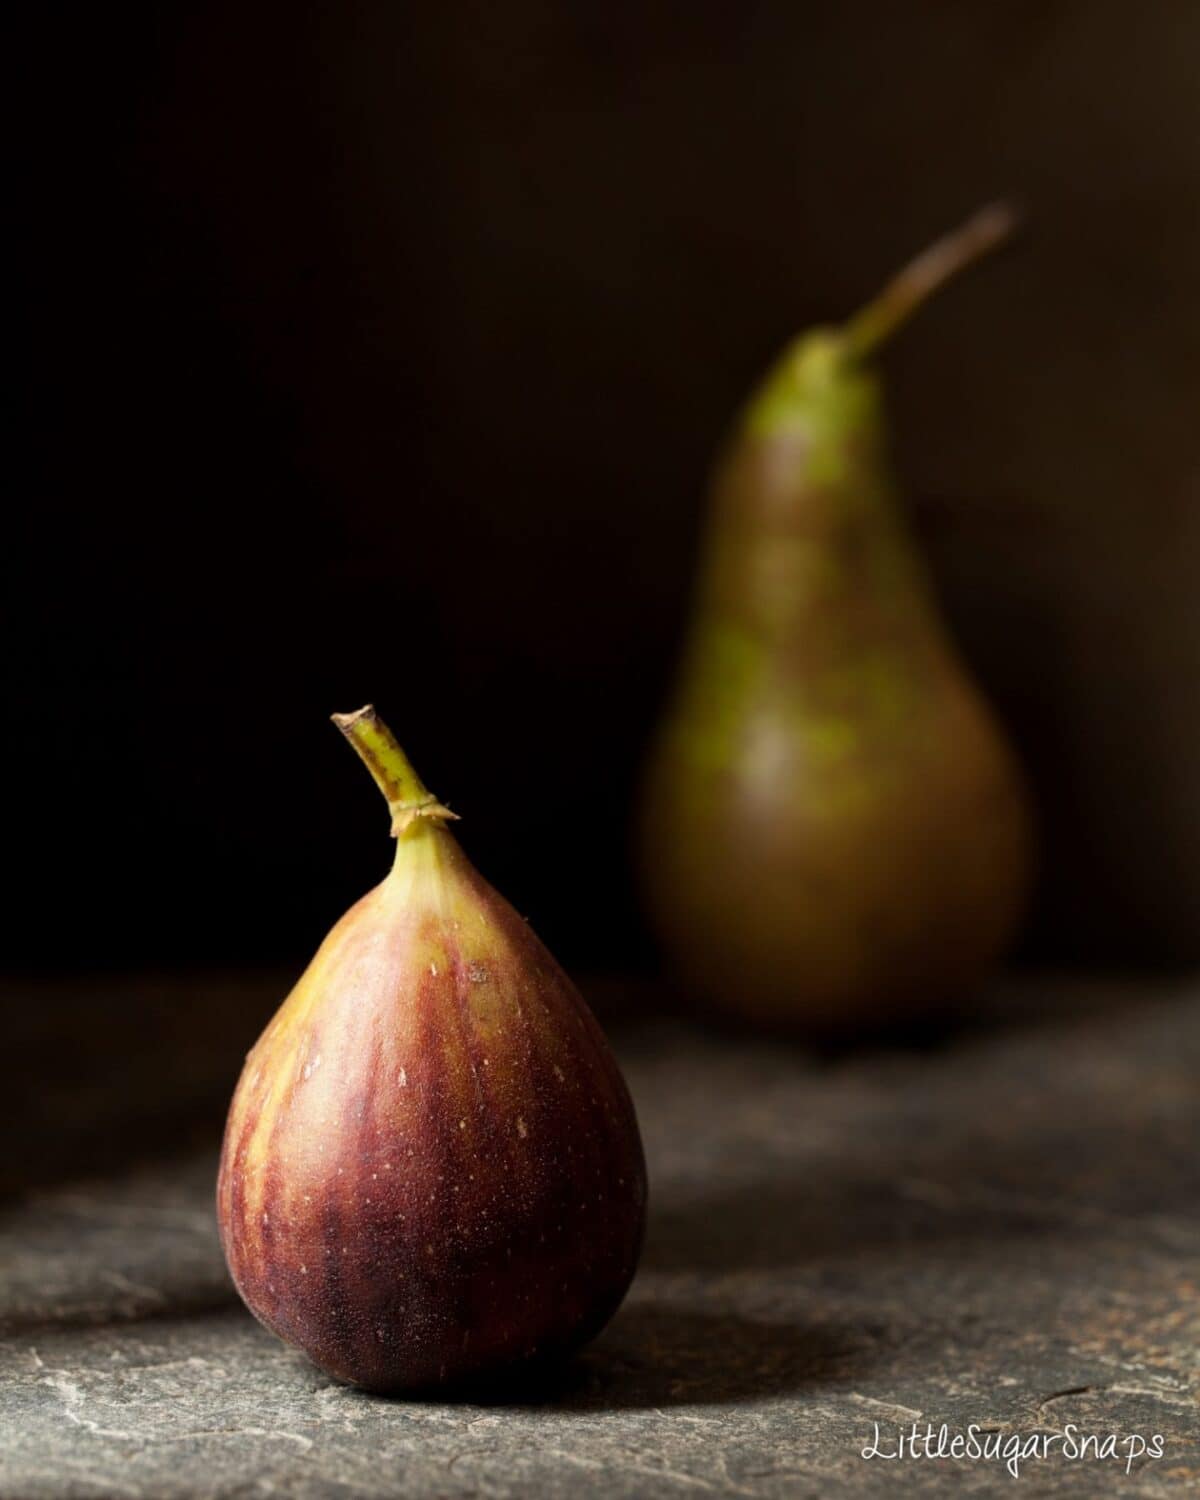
[(431, 1169)]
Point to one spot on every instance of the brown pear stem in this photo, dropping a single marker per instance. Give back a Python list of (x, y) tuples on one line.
[(407, 796), (944, 259)]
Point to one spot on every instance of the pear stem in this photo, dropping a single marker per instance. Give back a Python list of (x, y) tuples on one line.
[(907, 290), (408, 798)]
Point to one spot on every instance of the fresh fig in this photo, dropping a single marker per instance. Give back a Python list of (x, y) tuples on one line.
[(432, 1170)]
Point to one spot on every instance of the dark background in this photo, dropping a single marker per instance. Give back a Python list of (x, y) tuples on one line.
[(380, 351)]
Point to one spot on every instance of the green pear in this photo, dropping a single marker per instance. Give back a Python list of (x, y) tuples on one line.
[(835, 830)]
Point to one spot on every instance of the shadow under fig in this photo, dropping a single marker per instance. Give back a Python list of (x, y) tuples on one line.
[(665, 1356), (659, 1356)]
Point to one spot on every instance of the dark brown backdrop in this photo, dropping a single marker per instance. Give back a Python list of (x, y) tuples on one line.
[(379, 351)]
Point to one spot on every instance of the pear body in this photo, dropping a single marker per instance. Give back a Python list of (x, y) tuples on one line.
[(431, 1168), (835, 832)]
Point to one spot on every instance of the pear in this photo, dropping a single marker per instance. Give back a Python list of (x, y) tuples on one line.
[(431, 1168), (835, 831)]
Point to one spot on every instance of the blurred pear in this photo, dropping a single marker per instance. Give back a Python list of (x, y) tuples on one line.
[(835, 831)]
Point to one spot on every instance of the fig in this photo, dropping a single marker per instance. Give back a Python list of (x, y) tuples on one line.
[(431, 1171)]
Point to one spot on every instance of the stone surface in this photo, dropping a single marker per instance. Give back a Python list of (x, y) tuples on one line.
[(1000, 1228)]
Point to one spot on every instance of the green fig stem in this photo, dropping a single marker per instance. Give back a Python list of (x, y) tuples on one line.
[(408, 798), (907, 290)]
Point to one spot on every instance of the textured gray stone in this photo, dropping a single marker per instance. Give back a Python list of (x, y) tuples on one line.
[(1001, 1229)]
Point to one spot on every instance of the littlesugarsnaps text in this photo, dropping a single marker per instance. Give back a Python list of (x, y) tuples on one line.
[(978, 1444)]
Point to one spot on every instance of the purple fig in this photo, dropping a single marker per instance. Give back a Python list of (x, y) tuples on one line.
[(432, 1169)]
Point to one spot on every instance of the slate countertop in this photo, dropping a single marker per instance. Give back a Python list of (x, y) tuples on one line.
[(1001, 1229)]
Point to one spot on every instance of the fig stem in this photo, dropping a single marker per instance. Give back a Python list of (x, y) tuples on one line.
[(909, 288), (408, 798)]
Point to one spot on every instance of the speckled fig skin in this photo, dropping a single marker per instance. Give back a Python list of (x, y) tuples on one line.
[(431, 1168), (836, 834)]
